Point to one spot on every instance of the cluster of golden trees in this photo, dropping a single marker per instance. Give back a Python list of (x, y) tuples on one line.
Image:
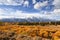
[(33, 31)]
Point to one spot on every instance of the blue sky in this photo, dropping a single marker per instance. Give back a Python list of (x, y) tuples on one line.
[(29, 8)]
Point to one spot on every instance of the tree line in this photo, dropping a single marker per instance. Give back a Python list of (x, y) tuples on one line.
[(30, 23)]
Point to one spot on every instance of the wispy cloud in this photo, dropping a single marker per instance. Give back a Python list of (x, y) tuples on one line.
[(39, 5), (10, 13), (11, 2), (57, 4), (20, 14)]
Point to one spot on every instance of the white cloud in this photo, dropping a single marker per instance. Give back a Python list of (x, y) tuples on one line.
[(6, 13), (34, 1), (11, 2), (26, 4), (20, 14), (38, 5), (14, 2), (57, 4), (2, 11), (56, 11)]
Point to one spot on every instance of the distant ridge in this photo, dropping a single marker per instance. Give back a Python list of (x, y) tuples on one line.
[(33, 19)]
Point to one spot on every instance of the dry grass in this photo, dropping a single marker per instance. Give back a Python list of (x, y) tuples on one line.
[(29, 32)]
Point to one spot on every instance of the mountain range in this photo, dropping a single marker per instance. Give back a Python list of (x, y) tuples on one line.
[(32, 19)]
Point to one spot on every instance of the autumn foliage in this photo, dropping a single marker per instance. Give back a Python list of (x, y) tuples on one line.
[(29, 32)]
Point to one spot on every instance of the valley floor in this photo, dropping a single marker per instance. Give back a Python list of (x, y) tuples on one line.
[(30, 32)]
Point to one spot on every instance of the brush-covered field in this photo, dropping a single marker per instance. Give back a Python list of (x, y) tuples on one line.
[(29, 32)]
